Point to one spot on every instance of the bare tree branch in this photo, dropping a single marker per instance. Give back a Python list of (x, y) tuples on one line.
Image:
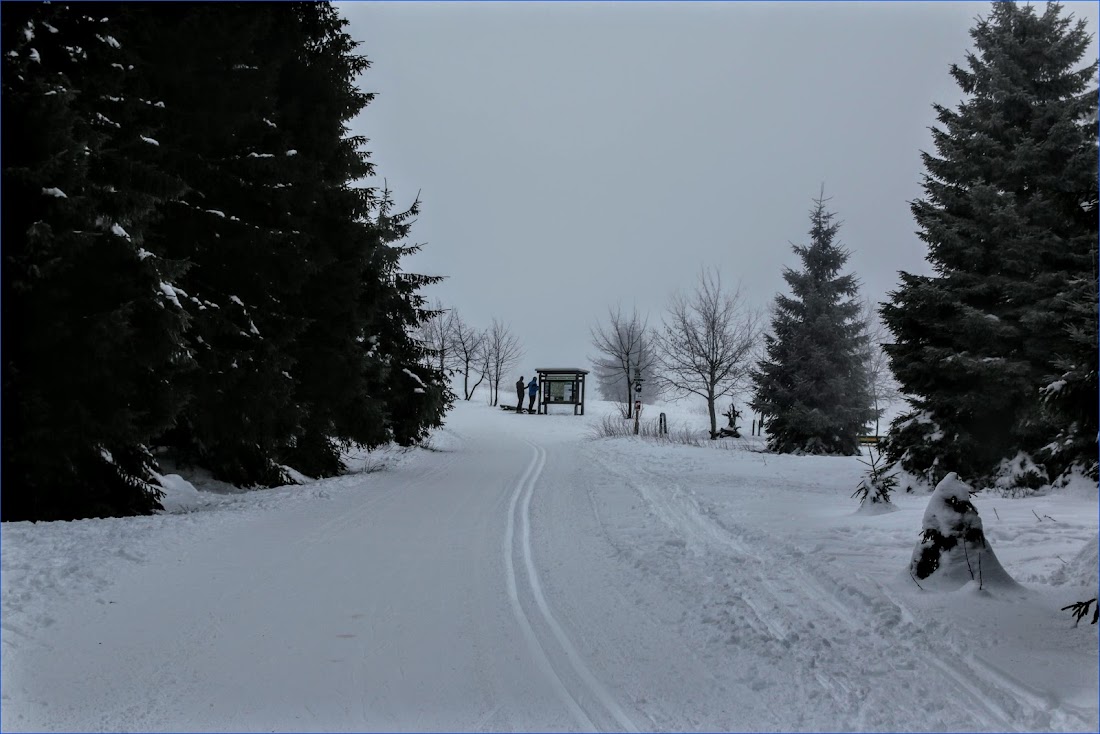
[(436, 334), (466, 346), (502, 353), (882, 385), (706, 343)]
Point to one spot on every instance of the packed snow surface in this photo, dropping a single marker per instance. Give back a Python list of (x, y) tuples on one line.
[(520, 575)]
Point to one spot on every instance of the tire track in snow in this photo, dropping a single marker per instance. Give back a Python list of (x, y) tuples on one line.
[(595, 689)]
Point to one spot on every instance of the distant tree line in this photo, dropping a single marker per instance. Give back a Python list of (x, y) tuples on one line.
[(188, 264), (995, 352)]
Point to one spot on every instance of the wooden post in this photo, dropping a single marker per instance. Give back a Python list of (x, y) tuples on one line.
[(637, 414)]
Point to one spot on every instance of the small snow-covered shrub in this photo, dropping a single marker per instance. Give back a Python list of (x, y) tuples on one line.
[(953, 550), (1020, 477), (876, 485)]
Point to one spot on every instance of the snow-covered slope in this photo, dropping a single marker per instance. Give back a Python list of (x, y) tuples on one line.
[(521, 575)]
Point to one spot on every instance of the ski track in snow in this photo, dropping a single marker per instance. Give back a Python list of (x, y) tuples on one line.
[(779, 602), (594, 689), (533, 643)]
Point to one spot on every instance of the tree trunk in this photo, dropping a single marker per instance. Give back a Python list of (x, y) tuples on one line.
[(629, 395), (470, 393), (713, 418)]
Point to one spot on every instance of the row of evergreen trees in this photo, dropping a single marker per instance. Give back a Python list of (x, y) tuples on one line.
[(187, 263), (996, 351)]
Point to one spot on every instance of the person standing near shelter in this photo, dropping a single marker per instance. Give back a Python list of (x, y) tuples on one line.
[(532, 390), (519, 394)]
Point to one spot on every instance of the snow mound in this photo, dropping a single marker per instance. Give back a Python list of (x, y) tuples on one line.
[(1084, 569), (953, 550), (179, 494), (296, 476)]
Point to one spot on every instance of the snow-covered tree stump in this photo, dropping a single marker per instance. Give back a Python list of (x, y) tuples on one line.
[(953, 550)]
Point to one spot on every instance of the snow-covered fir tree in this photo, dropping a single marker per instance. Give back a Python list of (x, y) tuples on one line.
[(92, 329), (219, 71), (811, 387), (952, 550), (997, 348), (292, 262), (401, 387), (189, 262)]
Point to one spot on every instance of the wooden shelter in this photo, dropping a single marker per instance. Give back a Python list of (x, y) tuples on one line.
[(561, 386)]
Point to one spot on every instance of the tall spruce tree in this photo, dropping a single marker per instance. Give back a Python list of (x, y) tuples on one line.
[(811, 387), (409, 392), (357, 371), (91, 325), (187, 260), (997, 349), (219, 69)]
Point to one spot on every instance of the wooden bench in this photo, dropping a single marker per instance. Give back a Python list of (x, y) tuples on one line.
[(869, 440)]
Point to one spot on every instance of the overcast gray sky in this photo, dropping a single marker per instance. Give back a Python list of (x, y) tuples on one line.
[(571, 156)]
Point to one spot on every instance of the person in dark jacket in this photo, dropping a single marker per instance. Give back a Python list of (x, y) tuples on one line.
[(532, 390), (519, 394)]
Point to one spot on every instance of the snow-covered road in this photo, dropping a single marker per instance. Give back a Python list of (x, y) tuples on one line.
[(517, 577)]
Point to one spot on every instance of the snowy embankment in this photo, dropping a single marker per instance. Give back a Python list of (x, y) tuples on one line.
[(525, 576)]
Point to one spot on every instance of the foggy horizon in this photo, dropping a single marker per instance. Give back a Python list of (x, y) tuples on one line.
[(571, 157)]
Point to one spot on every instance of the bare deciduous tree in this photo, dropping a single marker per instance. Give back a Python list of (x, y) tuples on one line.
[(436, 333), (466, 347), (502, 353), (624, 355), (706, 341), (484, 363), (884, 389)]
